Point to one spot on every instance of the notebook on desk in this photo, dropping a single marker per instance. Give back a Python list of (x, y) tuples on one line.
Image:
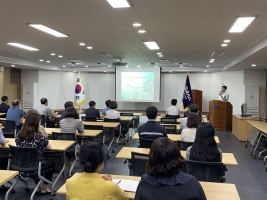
[(127, 185)]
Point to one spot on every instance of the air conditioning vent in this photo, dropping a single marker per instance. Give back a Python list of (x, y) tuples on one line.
[(165, 61)]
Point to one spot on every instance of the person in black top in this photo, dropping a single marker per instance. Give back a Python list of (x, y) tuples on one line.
[(92, 112), (152, 129), (164, 179), (3, 106)]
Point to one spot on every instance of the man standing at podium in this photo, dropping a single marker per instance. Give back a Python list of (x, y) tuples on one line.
[(223, 95)]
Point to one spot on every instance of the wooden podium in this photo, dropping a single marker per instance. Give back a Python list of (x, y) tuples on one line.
[(197, 98), (221, 115)]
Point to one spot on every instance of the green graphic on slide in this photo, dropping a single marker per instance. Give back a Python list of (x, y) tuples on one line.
[(137, 86)]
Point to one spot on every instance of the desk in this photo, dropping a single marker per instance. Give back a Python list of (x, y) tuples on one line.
[(158, 119), (241, 127), (60, 146), (125, 153), (177, 125), (86, 133), (218, 191), (5, 176), (4, 119), (174, 137)]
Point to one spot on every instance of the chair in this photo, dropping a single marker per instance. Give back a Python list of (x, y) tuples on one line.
[(10, 130), (26, 159), (184, 145), (120, 129), (145, 143), (71, 152), (137, 164), (89, 119), (173, 116), (133, 124), (168, 120), (171, 129), (3, 114), (206, 171), (43, 121)]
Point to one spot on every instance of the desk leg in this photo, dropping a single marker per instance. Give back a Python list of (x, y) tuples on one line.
[(104, 139), (255, 148), (62, 171), (112, 142)]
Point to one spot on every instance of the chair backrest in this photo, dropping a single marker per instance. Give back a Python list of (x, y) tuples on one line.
[(145, 143), (43, 120), (126, 114), (93, 127), (10, 129), (65, 136), (89, 119), (111, 120), (168, 120), (24, 159), (205, 171), (171, 129), (184, 145), (138, 164), (173, 116)]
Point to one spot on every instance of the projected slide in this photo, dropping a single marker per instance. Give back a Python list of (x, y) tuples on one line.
[(137, 86)]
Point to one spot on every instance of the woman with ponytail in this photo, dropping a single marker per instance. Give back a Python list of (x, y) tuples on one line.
[(90, 185)]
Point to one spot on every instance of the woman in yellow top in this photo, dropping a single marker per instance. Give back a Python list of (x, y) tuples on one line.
[(90, 185)]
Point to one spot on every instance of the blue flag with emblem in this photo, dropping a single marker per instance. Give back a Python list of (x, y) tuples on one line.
[(187, 96)]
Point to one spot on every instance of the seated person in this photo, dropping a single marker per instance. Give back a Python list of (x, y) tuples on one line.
[(15, 113), (66, 105), (186, 113), (194, 108), (204, 148), (164, 179), (3, 160), (113, 113), (92, 111), (3, 106), (173, 110), (104, 111), (71, 123), (189, 134), (29, 136), (43, 109), (90, 184), (151, 129)]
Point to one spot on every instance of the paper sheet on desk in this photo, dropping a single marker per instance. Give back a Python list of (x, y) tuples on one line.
[(127, 185)]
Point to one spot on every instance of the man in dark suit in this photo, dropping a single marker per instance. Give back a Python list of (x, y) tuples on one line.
[(92, 112), (3, 106)]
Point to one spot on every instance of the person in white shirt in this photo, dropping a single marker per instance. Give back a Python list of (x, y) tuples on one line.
[(194, 108), (173, 110), (223, 95), (113, 113), (189, 134)]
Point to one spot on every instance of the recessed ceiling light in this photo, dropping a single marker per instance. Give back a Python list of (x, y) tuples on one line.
[(105, 71), (152, 45), (224, 45), (241, 24), (137, 24), (181, 66), (191, 65), (89, 47), (23, 46), (60, 56), (86, 66), (156, 66), (48, 30), (109, 66), (119, 3), (227, 41), (12, 65), (41, 60), (253, 65), (205, 71), (74, 71), (207, 66), (160, 55), (211, 61), (126, 66), (138, 66), (170, 71), (141, 31), (48, 61), (64, 66), (82, 44), (53, 54)]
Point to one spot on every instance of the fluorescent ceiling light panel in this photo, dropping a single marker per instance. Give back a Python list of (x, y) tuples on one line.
[(41, 60), (48, 30), (64, 66), (241, 24), (141, 31), (227, 41), (137, 24), (205, 71), (12, 65), (82, 44), (138, 66), (253, 65), (23, 46), (159, 53), (89, 47), (86, 66), (152, 45), (53, 54), (119, 3), (224, 45), (60, 56)]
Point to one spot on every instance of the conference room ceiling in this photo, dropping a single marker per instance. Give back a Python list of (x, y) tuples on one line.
[(187, 31)]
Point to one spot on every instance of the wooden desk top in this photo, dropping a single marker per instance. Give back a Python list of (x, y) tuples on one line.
[(7, 175), (56, 145), (3, 119), (86, 133), (218, 191), (245, 118), (174, 137), (177, 125), (261, 126), (125, 153), (104, 124)]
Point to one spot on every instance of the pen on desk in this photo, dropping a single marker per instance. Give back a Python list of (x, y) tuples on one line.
[(118, 182)]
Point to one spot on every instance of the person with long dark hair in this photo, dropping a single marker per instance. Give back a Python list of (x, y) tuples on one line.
[(29, 136), (164, 179), (90, 185), (204, 148)]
